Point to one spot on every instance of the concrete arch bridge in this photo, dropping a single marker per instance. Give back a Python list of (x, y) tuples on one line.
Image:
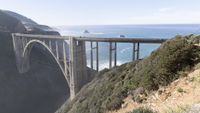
[(70, 54)]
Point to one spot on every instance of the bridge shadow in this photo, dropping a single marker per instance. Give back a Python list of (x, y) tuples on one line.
[(43, 89)]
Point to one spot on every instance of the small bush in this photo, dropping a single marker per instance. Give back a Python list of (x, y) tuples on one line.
[(197, 66), (191, 79), (180, 90), (142, 110), (178, 109)]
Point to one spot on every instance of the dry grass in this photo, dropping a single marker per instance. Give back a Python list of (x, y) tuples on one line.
[(169, 99)]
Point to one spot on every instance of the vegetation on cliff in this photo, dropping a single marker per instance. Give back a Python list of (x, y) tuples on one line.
[(142, 110), (110, 87)]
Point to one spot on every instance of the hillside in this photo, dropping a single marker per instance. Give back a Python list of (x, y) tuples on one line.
[(177, 97), (109, 89)]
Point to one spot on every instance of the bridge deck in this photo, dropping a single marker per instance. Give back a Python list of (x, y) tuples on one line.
[(96, 39)]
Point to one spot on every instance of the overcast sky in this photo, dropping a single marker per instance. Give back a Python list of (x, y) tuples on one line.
[(103, 12)]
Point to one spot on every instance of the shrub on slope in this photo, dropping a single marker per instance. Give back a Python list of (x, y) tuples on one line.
[(142, 110), (110, 87)]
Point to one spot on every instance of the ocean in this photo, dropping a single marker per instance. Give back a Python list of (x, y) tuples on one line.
[(124, 51)]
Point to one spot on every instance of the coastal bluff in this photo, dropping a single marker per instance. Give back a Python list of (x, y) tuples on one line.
[(43, 88), (108, 91)]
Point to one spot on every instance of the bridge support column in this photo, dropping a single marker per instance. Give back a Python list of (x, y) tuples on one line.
[(22, 62), (78, 74)]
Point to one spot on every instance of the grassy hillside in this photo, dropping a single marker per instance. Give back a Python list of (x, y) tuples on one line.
[(110, 87)]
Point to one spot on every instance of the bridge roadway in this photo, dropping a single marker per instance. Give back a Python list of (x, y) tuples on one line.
[(70, 53)]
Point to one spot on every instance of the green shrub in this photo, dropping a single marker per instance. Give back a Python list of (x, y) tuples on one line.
[(180, 90), (197, 66), (142, 110), (178, 109)]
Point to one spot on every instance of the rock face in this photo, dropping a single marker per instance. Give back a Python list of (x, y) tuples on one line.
[(41, 90)]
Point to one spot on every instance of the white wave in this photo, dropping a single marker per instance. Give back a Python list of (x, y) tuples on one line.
[(97, 33), (106, 65), (125, 49)]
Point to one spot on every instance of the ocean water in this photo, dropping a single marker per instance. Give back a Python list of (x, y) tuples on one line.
[(124, 51)]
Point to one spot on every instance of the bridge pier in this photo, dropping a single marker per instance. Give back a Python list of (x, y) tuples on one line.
[(78, 76), (136, 51)]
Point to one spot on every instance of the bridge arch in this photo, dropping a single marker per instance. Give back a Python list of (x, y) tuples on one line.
[(70, 57), (26, 55)]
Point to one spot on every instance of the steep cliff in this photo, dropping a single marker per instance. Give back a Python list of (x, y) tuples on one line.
[(41, 90)]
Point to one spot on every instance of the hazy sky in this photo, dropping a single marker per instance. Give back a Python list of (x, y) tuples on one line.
[(101, 12)]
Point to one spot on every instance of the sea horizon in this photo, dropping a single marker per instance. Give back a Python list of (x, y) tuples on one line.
[(125, 24)]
